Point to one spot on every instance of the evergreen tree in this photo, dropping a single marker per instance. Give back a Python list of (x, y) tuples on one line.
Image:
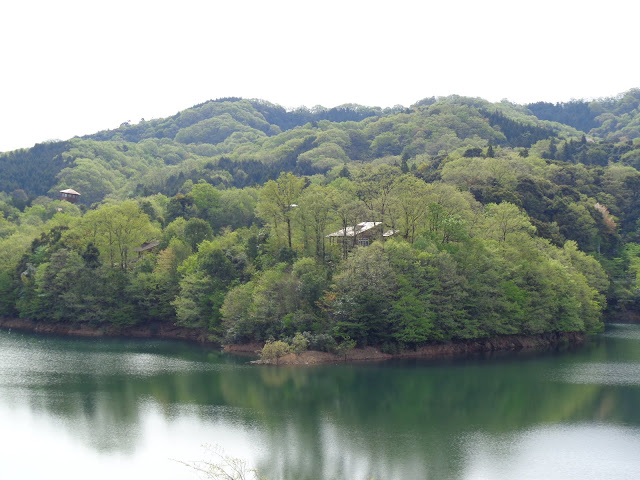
[(404, 167), (553, 149), (490, 152), (344, 173)]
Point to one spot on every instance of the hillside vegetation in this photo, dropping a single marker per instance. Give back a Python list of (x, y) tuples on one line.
[(507, 218)]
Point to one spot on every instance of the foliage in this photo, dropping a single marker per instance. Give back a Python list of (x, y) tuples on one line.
[(274, 350), (277, 201), (299, 343), (32, 170), (221, 466), (344, 347), (117, 230), (497, 222)]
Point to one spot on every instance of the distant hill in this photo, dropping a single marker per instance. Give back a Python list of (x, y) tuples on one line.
[(505, 219), (239, 142), (33, 169), (215, 120), (611, 118)]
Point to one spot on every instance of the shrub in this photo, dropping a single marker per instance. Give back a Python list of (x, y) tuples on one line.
[(300, 343), (274, 350)]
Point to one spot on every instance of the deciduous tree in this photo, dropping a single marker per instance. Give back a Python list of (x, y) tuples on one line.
[(277, 199)]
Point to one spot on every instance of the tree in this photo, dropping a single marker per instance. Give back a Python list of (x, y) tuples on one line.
[(350, 211), (299, 343), (6, 227), (237, 208), (180, 206), (363, 294), (277, 199), (345, 347), (193, 304), (206, 199), (317, 207), (409, 201), (506, 219), (91, 256), (553, 149), (19, 199), (93, 179), (490, 152), (274, 350), (374, 189), (472, 152), (413, 323), (344, 173), (404, 167), (117, 230), (196, 231)]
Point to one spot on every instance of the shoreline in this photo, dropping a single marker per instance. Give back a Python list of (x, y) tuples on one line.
[(150, 331), (506, 343), (455, 349)]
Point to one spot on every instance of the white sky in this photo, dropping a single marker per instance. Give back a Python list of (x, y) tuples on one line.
[(73, 67)]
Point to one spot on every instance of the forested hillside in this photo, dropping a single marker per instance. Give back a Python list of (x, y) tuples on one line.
[(610, 118), (501, 219)]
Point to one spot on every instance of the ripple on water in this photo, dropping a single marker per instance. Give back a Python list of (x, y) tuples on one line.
[(623, 331), (25, 363), (610, 373), (138, 364), (562, 452)]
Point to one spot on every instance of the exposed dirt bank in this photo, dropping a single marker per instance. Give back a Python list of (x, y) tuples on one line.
[(313, 357), (243, 348), (142, 331), (453, 349)]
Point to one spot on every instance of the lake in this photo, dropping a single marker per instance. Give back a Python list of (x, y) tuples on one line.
[(74, 408)]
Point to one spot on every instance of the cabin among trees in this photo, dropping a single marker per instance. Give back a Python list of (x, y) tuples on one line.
[(361, 234), (69, 195)]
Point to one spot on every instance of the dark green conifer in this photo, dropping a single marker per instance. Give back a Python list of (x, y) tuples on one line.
[(404, 166), (553, 149), (91, 256), (490, 152)]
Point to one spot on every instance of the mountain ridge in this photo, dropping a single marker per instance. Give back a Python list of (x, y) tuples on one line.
[(257, 134)]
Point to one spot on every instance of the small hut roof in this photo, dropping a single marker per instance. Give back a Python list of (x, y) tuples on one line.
[(69, 191)]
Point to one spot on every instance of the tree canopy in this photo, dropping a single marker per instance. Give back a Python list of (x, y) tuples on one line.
[(484, 219)]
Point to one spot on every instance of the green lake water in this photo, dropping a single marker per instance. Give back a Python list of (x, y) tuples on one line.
[(129, 409)]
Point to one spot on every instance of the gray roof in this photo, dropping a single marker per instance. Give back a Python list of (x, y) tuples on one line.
[(350, 232), (146, 246), (69, 191)]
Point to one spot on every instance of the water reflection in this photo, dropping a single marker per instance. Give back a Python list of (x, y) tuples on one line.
[(615, 373), (563, 451), (128, 402), (626, 332)]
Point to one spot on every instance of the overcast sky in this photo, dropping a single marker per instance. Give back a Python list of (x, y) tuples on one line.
[(75, 67)]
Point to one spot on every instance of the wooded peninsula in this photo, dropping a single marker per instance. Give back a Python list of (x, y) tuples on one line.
[(451, 220)]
